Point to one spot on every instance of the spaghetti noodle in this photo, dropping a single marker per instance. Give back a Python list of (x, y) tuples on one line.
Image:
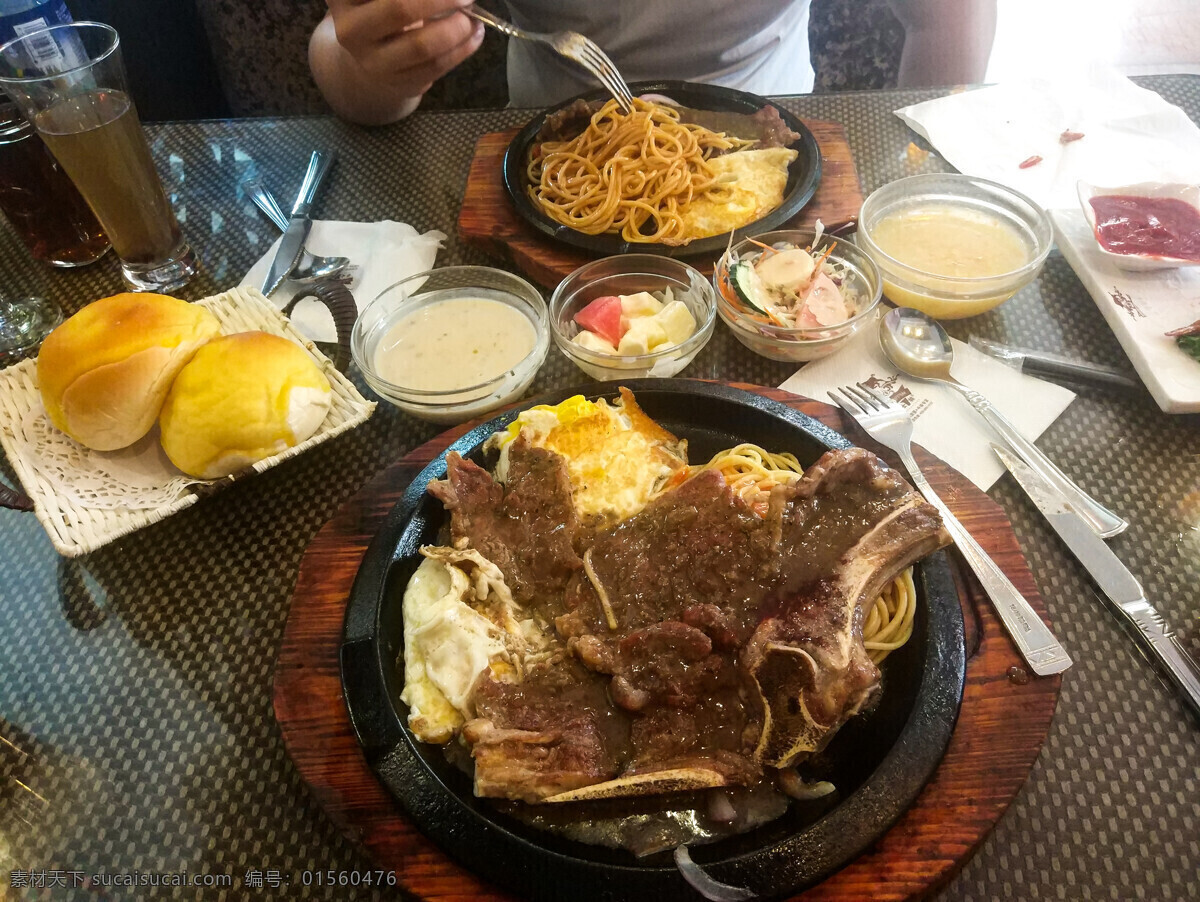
[(752, 473), (889, 623), (628, 173)]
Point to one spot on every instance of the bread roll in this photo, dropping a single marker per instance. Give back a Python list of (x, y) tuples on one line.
[(242, 397), (104, 373)]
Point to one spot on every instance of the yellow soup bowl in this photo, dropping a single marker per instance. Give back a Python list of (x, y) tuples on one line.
[(951, 245)]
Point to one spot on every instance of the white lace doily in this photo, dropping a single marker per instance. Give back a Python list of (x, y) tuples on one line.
[(139, 477)]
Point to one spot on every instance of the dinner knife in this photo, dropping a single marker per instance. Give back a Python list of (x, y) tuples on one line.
[(291, 245), (1119, 586)]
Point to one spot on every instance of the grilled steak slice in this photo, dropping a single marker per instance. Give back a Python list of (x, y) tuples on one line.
[(553, 732), (698, 544), (569, 122), (687, 698), (851, 527), (526, 527)]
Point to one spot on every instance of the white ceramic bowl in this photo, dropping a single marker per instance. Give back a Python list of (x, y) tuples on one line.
[(629, 274), (418, 292), (1189, 194)]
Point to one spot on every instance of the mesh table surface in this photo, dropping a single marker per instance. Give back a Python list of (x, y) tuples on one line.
[(136, 681)]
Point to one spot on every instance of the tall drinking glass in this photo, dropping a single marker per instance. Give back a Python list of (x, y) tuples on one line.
[(39, 201), (70, 83)]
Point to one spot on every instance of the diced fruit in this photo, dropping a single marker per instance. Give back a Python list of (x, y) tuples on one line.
[(603, 316), (593, 342), (641, 304), (789, 269), (677, 321), (748, 286), (644, 335)]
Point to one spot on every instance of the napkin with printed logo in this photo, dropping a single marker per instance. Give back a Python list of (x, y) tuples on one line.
[(944, 422), (382, 253)]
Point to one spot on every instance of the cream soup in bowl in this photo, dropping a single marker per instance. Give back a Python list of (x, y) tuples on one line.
[(453, 343), (953, 245)]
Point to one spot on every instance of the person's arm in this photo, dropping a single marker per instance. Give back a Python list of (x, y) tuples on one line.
[(946, 42), (374, 59)]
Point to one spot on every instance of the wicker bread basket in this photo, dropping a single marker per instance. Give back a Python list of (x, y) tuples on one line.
[(38, 453)]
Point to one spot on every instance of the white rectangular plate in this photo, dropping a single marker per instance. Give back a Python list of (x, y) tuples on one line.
[(1140, 307)]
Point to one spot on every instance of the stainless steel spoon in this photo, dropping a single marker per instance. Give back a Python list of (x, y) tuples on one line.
[(920, 347), (311, 268)]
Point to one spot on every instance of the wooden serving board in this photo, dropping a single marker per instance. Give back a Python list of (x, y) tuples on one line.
[(1002, 724), (488, 220)]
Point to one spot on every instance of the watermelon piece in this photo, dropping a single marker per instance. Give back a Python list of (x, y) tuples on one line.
[(603, 317)]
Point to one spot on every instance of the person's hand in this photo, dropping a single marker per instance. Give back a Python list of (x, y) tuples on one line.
[(406, 44), (373, 59)]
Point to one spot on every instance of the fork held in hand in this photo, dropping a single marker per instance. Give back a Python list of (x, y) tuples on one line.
[(889, 424), (573, 46)]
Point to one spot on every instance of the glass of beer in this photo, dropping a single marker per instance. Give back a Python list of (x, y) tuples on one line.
[(69, 81)]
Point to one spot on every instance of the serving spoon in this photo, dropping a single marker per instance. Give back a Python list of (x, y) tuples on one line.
[(919, 347)]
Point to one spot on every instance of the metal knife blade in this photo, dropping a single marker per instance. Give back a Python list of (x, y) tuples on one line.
[(291, 245), (1119, 586)]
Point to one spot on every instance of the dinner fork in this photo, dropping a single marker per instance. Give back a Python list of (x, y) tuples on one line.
[(888, 423), (573, 46)]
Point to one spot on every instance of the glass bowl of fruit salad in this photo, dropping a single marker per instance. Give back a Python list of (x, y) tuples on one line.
[(797, 294), (632, 316)]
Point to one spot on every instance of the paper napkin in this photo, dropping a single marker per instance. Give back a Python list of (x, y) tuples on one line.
[(384, 252), (944, 422), (1129, 134)]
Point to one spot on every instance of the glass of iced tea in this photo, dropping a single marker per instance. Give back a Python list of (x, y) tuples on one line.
[(39, 201), (69, 81)]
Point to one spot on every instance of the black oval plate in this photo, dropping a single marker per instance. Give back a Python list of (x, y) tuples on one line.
[(804, 173), (879, 761)]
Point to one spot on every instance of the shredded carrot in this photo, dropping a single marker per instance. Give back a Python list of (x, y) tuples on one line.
[(765, 247)]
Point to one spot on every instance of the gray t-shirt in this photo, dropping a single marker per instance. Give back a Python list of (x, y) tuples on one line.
[(759, 46)]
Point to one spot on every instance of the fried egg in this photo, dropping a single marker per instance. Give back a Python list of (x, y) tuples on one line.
[(459, 621), (756, 180), (617, 457)]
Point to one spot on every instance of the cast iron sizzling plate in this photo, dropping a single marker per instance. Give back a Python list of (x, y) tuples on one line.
[(803, 174), (879, 761)]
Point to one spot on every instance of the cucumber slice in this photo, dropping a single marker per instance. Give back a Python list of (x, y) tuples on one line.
[(749, 287)]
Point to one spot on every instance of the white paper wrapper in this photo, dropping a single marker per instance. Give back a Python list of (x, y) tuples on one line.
[(944, 422), (1130, 134), (384, 252)]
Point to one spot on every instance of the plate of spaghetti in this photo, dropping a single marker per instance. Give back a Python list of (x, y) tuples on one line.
[(689, 165), (489, 686)]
